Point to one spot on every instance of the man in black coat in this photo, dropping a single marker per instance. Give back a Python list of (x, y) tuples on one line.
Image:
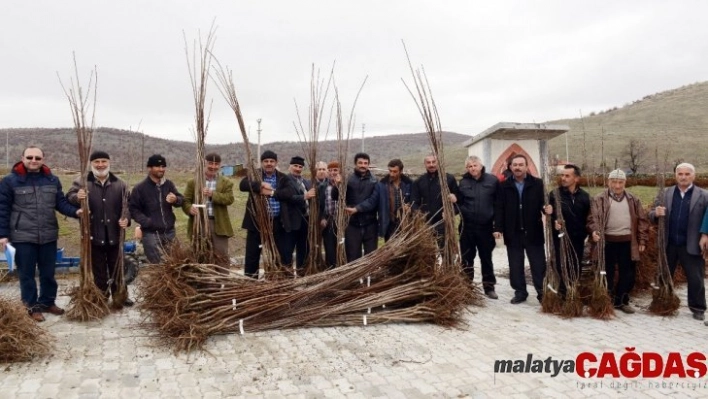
[(107, 193), (328, 196), (362, 203), (283, 209), (304, 192), (479, 193), (426, 196), (575, 208), (519, 219)]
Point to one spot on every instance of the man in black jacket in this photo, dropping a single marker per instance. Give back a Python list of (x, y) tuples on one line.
[(304, 192), (575, 208), (151, 203), (479, 192), (362, 202), (283, 209), (105, 202), (426, 195), (519, 218), (328, 196)]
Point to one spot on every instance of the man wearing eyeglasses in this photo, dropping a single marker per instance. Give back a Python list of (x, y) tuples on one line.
[(218, 194), (29, 195)]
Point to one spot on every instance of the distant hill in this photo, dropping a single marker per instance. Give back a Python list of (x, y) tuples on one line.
[(675, 121), (129, 150)]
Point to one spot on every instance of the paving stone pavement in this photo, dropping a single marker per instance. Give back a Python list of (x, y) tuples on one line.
[(114, 358)]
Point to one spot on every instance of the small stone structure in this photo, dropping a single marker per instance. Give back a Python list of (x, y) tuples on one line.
[(496, 145)]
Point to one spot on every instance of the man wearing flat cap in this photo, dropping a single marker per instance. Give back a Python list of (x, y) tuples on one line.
[(618, 218), (151, 203), (106, 194), (304, 192), (283, 210), (218, 194)]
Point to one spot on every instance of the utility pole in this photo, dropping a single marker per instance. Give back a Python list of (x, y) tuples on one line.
[(7, 151), (259, 138), (363, 129)]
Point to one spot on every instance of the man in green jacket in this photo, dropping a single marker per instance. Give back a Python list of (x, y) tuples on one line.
[(218, 192)]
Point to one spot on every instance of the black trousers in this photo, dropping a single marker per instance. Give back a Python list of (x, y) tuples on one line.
[(283, 243), (104, 259), (329, 240), (517, 276), (357, 237), (391, 229), (620, 254), (695, 268), (480, 239)]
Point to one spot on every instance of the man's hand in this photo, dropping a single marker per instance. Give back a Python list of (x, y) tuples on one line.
[(703, 243), (350, 210), (660, 211), (3, 242), (123, 223), (548, 209), (642, 248), (79, 213), (338, 179), (596, 236), (452, 198), (311, 193), (497, 235), (323, 224), (193, 210), (558, 225), (171, 198), (266, 189), (138, 234), (207, 193), (81, 194)]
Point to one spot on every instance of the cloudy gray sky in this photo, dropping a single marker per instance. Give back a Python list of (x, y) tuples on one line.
[(490, 61)]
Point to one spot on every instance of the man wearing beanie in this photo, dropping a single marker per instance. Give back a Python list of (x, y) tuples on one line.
[(283, 210), (151, 203), (105, 193), (303, 192), (618, 217), (29, 222), (218, 194)]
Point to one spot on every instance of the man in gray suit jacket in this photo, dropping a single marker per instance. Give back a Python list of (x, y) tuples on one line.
[(685, 205)]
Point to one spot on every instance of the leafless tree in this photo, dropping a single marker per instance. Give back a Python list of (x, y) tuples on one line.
[(635, 154)]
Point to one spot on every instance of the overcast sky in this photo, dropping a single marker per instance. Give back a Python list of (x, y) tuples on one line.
[(490, 61)]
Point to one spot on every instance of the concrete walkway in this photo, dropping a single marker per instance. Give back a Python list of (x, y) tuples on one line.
[(116, 359)]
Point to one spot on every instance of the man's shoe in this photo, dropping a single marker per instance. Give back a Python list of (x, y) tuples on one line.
[(56, 310), (699, 316), (491, 294), (128, 303), (517, 299), (627, 309), (37, 316)]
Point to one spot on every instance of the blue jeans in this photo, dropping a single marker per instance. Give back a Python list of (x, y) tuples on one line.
[(30, 257), (155, 244)]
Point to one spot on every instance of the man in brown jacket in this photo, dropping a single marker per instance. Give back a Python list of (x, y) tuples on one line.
[(618, 218)]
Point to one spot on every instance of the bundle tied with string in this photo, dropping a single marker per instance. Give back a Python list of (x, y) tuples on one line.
[(186, 302), (551, 302), (664, 301), (572, 305), (87, 301), (258, 204), (600, 305), (21, 338)]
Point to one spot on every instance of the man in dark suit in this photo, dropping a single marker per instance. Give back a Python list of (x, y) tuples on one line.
[(685, 206)]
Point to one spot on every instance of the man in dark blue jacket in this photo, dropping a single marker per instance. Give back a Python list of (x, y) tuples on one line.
[(479, 193), (361, 200), (29, 196), (394, 192), (151, 206)]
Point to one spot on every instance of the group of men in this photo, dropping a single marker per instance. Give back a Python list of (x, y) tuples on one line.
[(489, 209)]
